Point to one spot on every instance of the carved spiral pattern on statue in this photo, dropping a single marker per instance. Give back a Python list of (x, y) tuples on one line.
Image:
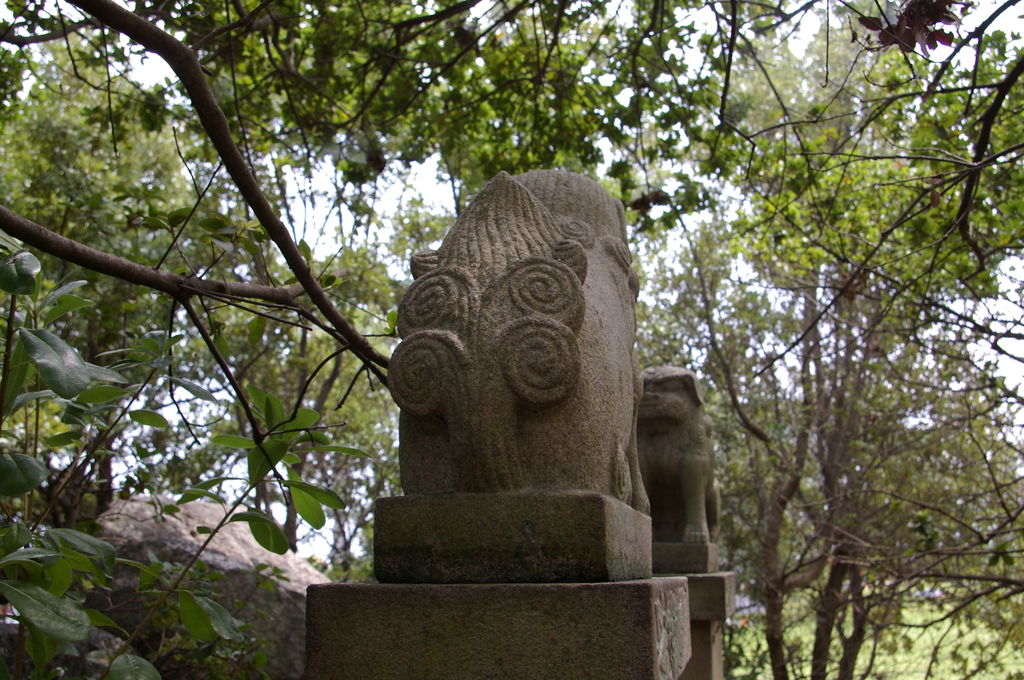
[(547, 287), (576, 230), (573, 255), (540, 360), (438, 300), (426, 372)]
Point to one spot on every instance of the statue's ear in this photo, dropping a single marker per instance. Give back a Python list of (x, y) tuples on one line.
[(692, 387), (572, 253), (424, 262)]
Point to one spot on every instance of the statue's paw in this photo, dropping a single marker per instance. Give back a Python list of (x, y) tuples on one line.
[(696, 534)]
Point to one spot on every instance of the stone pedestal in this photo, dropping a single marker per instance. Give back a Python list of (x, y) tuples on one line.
[(712, 600), (526, 537), (629, 630), (684, 558)]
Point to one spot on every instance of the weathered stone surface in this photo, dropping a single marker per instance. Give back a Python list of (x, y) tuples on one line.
[(712, 600), (712, 596), (677, 460), (632, 630), (134, 529), (706, 641), (509, 538), (517, 369), (684, 558)]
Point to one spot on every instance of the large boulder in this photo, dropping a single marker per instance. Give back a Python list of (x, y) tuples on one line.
[(136, 528)]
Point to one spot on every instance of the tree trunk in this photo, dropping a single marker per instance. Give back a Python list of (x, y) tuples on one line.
[(829, 605), (852, 644), (773, 633)]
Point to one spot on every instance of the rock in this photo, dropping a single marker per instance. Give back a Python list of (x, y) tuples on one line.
[(135, 529)]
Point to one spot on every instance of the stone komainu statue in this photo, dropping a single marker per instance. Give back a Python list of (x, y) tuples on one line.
[(517, 369), (677, 458)]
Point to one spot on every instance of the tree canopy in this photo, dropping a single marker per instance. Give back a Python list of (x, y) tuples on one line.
[(201, 278)]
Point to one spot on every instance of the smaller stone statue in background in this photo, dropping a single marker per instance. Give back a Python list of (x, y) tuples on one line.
[(677, 463)]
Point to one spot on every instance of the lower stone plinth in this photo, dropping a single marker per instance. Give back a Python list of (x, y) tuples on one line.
[(707, 661), (684, 558), (524, 537), (630, 630), (712, 600)]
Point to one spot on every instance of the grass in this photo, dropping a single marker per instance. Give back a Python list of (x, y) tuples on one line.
[(985, 647)]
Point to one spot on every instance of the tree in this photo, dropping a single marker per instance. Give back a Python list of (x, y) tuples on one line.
[(868, 257)]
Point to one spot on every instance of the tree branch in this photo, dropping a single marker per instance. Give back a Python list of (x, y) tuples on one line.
[(56, 34), (987, 120), (176, 285), (185, 64)]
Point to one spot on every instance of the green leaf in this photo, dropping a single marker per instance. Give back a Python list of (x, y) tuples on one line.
[(274, 412), (63, 439), (60, 366), (16, 536), (222, 621), (58, 618), (28, 556), (193, 493), (100, 619), (20, 474), (148, 418), (18, 273), (101, 374), (23, 399), (40, 647), (195, 617), (20, 366), (323, 496), (264, 529), (304, 418), (258, 397), (262, 460), (308, 508), (232, 441), (65, 305), (348, 450), (8, 243), (176, 217), (257, 326), (63, 290), (131, 667), (195, 390), (84, 543), (4, 675), (60, 577), (101, 394)]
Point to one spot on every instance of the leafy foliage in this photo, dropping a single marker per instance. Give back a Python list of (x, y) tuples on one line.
[(201, 277)]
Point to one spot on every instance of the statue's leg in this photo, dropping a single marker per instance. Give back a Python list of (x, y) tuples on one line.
[(693, 482), (714, 510), (639, 500)]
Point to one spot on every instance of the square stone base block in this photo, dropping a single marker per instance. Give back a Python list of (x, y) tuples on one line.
[(528, 537), (631, 630), (684, 558), (712, 596)]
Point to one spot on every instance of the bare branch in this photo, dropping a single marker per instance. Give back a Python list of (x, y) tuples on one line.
[(176, 285)]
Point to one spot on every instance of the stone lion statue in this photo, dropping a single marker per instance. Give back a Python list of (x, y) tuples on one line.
[(677, 460), (516, 371)]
